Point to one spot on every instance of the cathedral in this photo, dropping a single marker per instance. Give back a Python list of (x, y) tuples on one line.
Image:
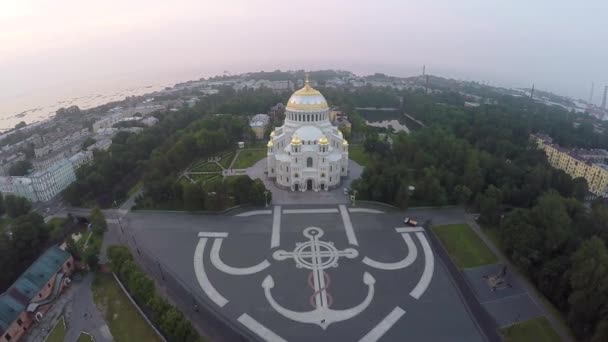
[(307, 153)]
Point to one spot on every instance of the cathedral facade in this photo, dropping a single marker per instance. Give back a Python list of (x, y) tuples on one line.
[(307, 153)]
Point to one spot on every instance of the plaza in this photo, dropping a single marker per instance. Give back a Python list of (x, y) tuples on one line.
[(311, 272)]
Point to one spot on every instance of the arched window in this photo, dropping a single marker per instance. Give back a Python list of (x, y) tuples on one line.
[(309, 162), (296, 175), (323, 175)]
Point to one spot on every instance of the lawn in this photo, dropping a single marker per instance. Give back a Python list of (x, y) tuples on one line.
[(204, 178), (84, 338), (248, 157), (358, 154), (533, 330), (464, 246), (208, 167), (493, 234), (58, 332), (125, 322), (226, 159)]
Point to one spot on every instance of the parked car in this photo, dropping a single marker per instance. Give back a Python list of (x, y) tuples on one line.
[(410, 222)]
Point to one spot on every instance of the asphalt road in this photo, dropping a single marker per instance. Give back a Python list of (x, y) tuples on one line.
[(397, 308)]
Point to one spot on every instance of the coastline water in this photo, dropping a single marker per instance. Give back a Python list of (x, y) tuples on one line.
[(42, 104)]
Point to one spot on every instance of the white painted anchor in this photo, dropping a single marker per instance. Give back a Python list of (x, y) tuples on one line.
[(317, 256)]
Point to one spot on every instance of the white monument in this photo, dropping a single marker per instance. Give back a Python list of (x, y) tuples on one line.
[(307, 152)]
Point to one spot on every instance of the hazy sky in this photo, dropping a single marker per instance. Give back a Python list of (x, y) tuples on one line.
[(57, 44)]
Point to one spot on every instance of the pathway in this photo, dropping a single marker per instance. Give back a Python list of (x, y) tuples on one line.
[(414, 119), (81, 314), (75, 301), (236, 156), (523, 281)]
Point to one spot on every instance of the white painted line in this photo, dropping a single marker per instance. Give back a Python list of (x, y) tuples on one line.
[(365, 210), (429, 266), (260, 330), (275, 239), (385, 325), (220, 265), (412, 254), (310, 211), (212, 235), (504, 298), (348, 226), (255, 212), (409, 229), (201, 276)]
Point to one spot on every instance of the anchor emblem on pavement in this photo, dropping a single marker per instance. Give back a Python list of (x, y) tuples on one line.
[(317, 256)]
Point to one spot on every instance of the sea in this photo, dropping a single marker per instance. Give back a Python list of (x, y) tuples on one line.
[(41, 104)]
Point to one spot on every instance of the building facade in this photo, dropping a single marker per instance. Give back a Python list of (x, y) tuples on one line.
[(575, 164), (258, 124), (46, 184), (307, 153), (34, 292)]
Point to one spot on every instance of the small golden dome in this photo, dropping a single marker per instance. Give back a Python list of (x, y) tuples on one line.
[(344, 142), (323, 141), (272, 133), (295, 140), (340, 133), (269, 143)]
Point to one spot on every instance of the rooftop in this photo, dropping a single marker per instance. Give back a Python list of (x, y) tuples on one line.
[(19, 295)]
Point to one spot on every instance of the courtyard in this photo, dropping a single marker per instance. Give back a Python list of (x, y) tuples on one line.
[(311, 272)]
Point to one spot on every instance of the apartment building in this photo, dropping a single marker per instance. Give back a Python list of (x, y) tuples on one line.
[(577, 163)]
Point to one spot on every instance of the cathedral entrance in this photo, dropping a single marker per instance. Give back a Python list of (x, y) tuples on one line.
[(309, 184), (296, 187), (322, 186)]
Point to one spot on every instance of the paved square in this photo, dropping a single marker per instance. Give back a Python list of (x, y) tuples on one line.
[(314, 273), (506, 305)]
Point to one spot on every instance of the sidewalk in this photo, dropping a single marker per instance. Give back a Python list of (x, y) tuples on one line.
[(523, 281)]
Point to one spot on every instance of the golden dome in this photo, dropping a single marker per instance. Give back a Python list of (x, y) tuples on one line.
[(272, 133), (269, 143), (295, 140), (344, 142), (307, 99), (323, 141)]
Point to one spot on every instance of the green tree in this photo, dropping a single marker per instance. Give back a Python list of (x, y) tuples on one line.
[(98, 221), (194, 197), (550, 215), (489, 205), (589, 281), (473, 178), (521, 240), (16, 206), (2, 206), (72, 248), (20, 168), (87, 142), (462, 194)]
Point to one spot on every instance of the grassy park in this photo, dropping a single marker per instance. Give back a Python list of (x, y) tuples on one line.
[(248, 157), (226, 159), (84, 338), (58, 332), (533, 330), (464, 246), (358, 154), (125, 322)]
